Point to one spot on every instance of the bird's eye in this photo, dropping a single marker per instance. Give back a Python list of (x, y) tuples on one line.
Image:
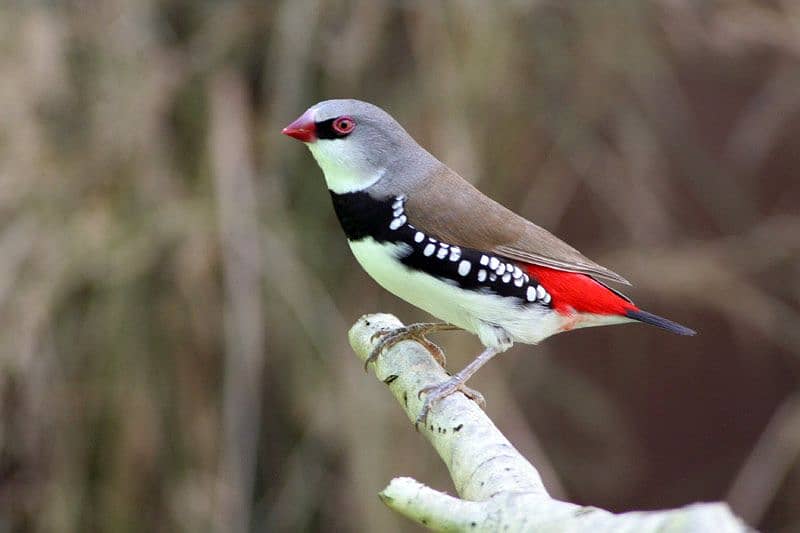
[(344, 125)]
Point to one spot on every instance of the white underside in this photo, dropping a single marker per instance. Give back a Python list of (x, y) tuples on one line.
[(497, 320)]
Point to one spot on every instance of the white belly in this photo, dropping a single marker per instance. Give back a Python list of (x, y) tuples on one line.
[(477, 312)]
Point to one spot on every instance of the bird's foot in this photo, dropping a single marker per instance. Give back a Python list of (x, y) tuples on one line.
[(473, 395), (433, 349), (434, 393), (415, 332)]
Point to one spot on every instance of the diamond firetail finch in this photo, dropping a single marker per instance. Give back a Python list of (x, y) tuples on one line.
[(428, 236)]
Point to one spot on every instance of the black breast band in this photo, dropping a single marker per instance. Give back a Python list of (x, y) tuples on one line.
[(385, 221)]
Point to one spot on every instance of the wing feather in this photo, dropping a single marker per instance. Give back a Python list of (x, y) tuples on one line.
[(454, 211)]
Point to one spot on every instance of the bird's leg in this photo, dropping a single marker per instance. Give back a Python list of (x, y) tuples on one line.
[(434, 393), (415, 332)]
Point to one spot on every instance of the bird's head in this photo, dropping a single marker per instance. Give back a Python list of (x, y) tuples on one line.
[(355, 143)]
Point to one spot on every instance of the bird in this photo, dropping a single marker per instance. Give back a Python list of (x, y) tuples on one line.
[(431, 238)]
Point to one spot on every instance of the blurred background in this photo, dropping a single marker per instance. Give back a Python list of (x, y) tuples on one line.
[(175, 291)]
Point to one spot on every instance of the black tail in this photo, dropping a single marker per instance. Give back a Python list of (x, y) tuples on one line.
[(660, 322)]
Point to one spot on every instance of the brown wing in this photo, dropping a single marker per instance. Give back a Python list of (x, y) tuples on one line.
[(464, 216)]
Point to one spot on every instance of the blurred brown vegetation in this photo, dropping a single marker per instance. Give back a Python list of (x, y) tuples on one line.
[(175, 291)]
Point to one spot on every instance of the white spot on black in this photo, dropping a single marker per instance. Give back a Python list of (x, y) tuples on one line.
[(540, 292), (386, 222), (547, 298), (397, 222)]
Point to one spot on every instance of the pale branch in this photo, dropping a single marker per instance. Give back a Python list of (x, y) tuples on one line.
[(499, 489)]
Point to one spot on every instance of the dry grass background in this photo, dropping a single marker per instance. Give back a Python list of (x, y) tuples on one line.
[(175, 291)]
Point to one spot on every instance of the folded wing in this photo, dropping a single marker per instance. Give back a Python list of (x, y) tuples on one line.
[(464, 216)]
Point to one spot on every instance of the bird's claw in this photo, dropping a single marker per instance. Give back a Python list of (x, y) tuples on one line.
[(390, 337), (473, 395), (433, 349), (434, 393)]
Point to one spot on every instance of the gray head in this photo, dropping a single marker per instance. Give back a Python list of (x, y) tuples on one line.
[(356, 144)]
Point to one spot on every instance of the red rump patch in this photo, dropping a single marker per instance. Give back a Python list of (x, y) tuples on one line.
[(580, 292)]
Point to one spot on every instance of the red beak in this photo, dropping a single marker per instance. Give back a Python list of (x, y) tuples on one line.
[(303, 128)]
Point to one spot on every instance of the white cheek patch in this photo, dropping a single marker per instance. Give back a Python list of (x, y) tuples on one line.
[(345, 168)]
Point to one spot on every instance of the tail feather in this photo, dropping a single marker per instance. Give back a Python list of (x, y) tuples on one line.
[(660, 322)]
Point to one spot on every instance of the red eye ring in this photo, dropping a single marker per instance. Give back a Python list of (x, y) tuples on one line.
[(344, 125)]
